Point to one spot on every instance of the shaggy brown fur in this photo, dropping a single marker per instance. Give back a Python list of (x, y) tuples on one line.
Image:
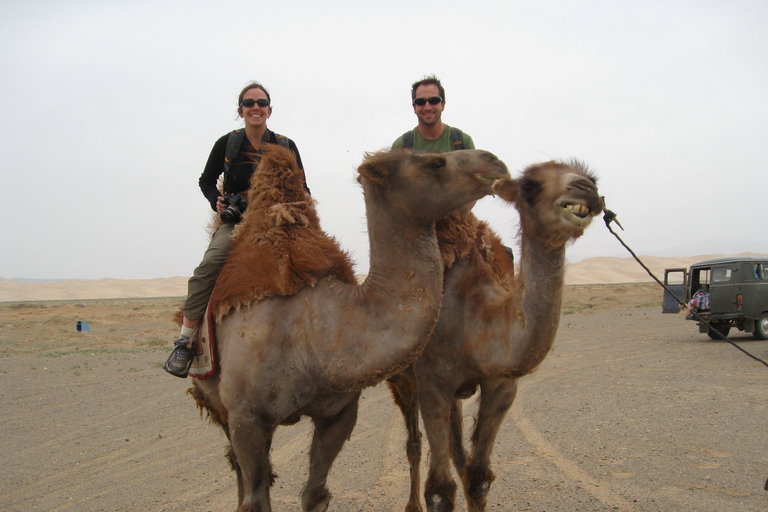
[(462, 236), (310, 354), (204, 405), (278, 248), (494, 327)]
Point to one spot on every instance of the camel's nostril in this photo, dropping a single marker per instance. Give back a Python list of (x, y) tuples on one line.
[(584, 186)]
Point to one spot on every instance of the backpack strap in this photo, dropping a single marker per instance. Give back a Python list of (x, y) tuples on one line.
[(408, 139), (282, 140), (457, 138), (234, 143)]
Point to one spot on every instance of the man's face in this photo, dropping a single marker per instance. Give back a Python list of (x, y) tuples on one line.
[(428, 114)]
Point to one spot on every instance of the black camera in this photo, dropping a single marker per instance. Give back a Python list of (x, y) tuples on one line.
[(236, 205)]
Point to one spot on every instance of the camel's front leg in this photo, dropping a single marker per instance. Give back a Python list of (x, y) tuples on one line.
[(251, 443), (435, 405), (232, 458), (457, 438), (497, 395), (329, 437), (403, 387)]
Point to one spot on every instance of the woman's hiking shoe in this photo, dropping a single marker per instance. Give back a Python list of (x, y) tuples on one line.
[(180, 360)]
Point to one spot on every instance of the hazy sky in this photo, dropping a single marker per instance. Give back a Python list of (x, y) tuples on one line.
[(110, 109)]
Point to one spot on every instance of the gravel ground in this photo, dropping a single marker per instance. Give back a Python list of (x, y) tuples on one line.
[(633, 410)]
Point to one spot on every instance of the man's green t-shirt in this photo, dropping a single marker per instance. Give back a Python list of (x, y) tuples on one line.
[(442, 144)]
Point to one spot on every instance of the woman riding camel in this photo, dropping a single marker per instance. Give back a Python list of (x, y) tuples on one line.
[(233, 156)]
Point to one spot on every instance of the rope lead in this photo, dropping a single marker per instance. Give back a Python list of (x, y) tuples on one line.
[(608, 217)]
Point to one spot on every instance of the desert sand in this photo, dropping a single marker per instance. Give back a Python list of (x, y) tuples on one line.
[(588, 271), (634, 410)]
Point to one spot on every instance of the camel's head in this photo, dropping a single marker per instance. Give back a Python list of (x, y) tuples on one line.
[(556, 200), (429, 186)]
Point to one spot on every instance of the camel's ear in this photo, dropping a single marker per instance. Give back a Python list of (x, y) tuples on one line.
[(507, 189), (374, 169)]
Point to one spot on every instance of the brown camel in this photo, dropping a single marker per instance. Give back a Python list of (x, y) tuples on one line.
[(308, 341), (494, 327)]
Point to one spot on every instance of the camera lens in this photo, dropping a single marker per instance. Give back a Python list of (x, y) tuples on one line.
[(230, 214)]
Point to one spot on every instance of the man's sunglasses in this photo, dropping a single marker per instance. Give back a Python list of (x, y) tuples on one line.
[(260, 102), (434, 100)]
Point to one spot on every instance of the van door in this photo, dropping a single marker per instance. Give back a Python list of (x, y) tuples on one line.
[(724, 288), (754, 292), (675, 280)]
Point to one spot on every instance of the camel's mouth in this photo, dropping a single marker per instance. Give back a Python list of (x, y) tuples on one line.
[(492, 177), (578, 213)]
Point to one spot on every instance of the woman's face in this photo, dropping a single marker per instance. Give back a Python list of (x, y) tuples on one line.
[(255, 116)]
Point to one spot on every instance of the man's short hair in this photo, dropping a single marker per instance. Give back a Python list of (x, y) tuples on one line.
[(428, 80)]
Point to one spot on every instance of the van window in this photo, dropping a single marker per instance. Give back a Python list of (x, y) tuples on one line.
[(721, 275), (675, 278), (698, 277), (759, 271)]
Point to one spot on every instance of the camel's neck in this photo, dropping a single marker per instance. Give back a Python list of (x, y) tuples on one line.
[(398, 304), (542, 276), (405, 261), (408, 259)]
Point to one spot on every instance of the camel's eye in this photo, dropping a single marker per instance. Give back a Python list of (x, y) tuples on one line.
[(529, 189), (437, 165), (434, 163)]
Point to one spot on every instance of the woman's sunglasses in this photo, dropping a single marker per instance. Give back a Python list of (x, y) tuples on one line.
[(434, 100), (260, 102)]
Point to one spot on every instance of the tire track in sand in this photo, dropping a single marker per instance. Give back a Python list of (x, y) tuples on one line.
[(592, 485)]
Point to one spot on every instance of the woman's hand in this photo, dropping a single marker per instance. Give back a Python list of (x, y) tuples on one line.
[(220, 204)]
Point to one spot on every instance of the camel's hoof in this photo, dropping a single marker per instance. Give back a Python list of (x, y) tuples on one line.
[(317, 501), (413, 507), (250, 507), (437, 502), (478, 492), (320, 507), (477, 485)]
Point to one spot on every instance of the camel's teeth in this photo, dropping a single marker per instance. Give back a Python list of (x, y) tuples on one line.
[(579, 210)]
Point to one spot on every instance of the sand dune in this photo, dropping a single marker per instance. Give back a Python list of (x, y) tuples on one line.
[(11, 291), (589, 271), (627, 270)]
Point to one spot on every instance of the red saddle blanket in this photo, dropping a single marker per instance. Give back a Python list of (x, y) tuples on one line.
[(205, 362)]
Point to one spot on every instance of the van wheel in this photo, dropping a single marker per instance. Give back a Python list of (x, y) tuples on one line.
[(721, 327), (761, 327)]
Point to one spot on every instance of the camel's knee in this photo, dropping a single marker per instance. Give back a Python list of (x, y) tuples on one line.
[(413, 449), (440, 496)]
